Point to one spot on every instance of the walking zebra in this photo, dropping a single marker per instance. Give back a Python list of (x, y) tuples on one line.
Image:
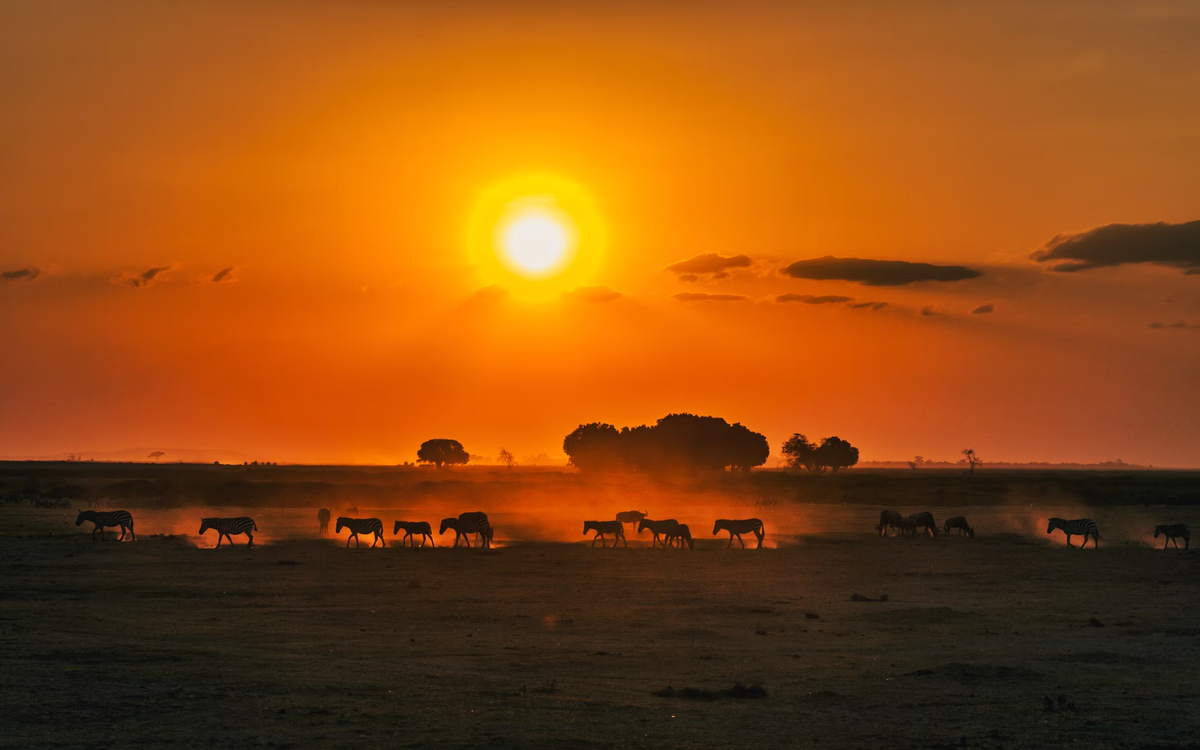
[(924, 520), (226, 527), (681, 535), (323, 517), (888, 519), (469, 523), (616, 528), (1084, 526), (1172, 532), (103, 518), (656, 528), (632, 516), (414, 527), (737, 528), (960, 523), (361, 526)]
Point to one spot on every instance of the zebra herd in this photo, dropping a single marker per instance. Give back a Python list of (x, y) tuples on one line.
[(666, 533)]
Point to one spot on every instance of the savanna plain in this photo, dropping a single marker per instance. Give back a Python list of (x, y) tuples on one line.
[(1007, 639)]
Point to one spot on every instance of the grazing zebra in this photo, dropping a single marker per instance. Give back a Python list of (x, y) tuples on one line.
[(323, 517), (227, 526), (616, 528), (632, 516), (1172, 532), (681, 535), (739, 527), (889, 519), (414, 527), (656, 528), (361, 526), (102, 518), (469, 523), (960, 523), (925, 520), (1085, 526)]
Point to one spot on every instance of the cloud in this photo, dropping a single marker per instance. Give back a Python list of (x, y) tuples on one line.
[(225, 274), (1176, 245), (688, 277), (876, 272), (872, 305), (701, 297), (809, 299), (1176, 324), (709, 263), (927, 312), (147, 277), (984, 309), (29, 273), (592, 294)]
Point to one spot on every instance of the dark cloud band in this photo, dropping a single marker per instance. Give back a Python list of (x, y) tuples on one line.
[(707, 263), (1176, 245), (876, 272), (702, 297)]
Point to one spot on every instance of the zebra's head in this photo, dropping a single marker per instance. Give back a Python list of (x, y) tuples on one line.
[(1157, 530), (207, 523), (396, 529), (643, 524), (81, 518), (1055, 523), (341, 524), (587, 526), (720, 524), (448, 523)]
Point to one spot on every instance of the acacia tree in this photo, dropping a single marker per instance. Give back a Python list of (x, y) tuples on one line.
[(442, 452), (156, 455), (801, 453), (972, 459), (507, 458), (833, 454)]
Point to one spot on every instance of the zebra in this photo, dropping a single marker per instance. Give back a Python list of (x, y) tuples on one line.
[(925, 520), (681, 535), (888, 519), (616, 528), (656, 528), (1172, 532), (1084, 526), (323, 517), (361, 526), (102, 518), (227, 526), (411, 528), (739, 527), (960, 523), (469, 523), (632, 516)]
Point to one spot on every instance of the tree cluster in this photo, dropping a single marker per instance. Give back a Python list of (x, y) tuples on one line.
[(833, 454), (684, 442), (442, 452)]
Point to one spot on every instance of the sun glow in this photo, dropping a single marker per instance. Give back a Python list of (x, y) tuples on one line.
[(537, 236)]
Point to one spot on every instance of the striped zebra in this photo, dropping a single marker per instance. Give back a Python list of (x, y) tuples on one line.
[(681, 535), (737, 528), (226, 527), (470, 523), (361, 526), (411, 528), (616, 528), (656, 528), (1080, 526), (323, 518), (1172, 532), (102, 518), (960, 523)]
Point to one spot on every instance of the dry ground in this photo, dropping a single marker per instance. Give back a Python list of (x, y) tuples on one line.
[(301, 643)]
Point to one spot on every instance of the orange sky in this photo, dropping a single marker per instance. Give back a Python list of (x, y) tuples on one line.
[(331, 155)]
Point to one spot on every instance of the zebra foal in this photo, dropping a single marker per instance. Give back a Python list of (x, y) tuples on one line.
[(616, 528), (1172, 532), (226, 527), (739, 527), (1085, 527), (361, 526), (102, 518), (411, 528)]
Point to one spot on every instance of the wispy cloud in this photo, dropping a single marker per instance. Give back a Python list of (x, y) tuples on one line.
[(701, 297), (145, 278), (225, 274), (592, 294), (876, 272), (927, 311), (29, 273), (809, 299), (708, 264), (871, 305), (1176, 245), (984, 309), (1177, 324)]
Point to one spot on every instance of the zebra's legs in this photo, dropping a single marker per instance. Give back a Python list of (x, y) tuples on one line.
[(760, 534), (219, 537), (248, 544), (1069, 542), (740, 541), (594, 540), (348, 540), (132, 533)]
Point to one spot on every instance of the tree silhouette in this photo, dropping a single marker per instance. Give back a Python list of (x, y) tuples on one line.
[(442, 452), (801, 453), (833, 454), (972, 459), (677, 442), (507, 458), (594, 447), (155, 455)]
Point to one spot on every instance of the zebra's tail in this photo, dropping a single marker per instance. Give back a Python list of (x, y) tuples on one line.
[(254, 525)]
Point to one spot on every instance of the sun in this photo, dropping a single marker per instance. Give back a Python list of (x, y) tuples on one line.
[(536, 235)]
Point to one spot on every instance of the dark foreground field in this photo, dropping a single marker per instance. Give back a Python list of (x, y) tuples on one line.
[(301, 643)]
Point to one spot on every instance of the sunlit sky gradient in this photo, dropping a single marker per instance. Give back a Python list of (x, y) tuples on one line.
[(322, 160)]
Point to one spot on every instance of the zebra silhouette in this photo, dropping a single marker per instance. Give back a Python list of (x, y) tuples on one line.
[(323, 518), (103, 518), (226, 527), (656, 528), (1080, 526), (737, 528), (411, 528), (361, 526), (960, 523), (1172, 532), (616, 528), (470, 523), (681, 535)]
